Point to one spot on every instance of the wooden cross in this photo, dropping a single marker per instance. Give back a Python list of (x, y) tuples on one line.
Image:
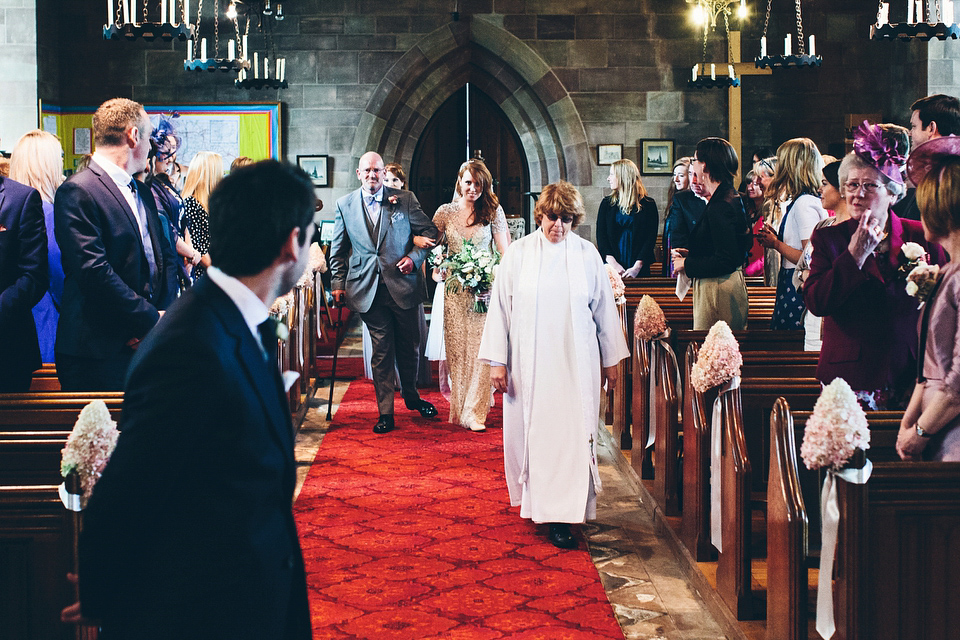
[(734, 110)]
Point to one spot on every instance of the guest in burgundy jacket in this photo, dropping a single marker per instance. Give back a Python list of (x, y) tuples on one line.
[(857, 283)]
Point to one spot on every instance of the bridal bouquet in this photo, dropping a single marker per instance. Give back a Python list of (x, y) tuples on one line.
[(649, 321), (719, 360), (619, 290), (472, 269), (836, 429), (89, 446)]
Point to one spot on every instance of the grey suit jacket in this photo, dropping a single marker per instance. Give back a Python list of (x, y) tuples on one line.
[(358, 262)]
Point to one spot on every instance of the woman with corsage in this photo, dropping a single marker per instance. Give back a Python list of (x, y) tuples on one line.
[(474, 216), (858, 270), (930, 429)]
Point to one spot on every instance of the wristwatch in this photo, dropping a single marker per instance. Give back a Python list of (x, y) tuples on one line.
[(921, 432)]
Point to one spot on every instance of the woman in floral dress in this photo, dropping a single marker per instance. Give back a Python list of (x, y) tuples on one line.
[(474, 215)]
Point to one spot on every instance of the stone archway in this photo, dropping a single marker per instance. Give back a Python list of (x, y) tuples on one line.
[(503, 67)]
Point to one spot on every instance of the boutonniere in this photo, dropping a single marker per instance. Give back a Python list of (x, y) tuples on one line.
[(393, 199), (912, 255), (921, 281), (282, 332)]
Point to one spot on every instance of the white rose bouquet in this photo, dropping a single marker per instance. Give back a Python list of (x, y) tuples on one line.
[(472, 269)]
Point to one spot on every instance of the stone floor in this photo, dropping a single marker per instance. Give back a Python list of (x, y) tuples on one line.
[(643, 578)]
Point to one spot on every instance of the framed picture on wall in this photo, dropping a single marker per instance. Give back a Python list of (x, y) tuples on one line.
[(609, 153), (656, 157), (316, 168), (326, 231)]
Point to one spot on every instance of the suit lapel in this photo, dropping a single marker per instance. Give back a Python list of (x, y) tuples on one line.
[(114, 190), (261, 375), (2, 189)]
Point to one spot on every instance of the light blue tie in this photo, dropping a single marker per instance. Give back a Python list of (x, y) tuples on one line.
[(145, 235)]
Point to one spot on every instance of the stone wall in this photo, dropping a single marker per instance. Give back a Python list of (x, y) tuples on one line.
[(569, 75), (18, 70)]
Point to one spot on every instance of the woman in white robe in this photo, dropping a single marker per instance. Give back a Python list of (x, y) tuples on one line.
[(552, 337)]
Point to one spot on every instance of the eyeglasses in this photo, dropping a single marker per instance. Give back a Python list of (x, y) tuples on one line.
[(552, 217), (869, 188)]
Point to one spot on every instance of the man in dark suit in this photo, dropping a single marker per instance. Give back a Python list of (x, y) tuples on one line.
[(119, 270), (375, 266), (24, 278), (190, 531)]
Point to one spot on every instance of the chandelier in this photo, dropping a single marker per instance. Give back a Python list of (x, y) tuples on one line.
[(132, 19), (705, 14), (802, 57), (919, 24)]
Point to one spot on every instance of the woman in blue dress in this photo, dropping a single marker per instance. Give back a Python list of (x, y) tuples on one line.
[(627, 222)]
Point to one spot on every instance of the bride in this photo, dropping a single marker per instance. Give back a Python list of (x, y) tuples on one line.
[(474, 215)]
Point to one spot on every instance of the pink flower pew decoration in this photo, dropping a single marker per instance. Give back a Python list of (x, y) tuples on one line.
[(88, 449), (719, 360), (616, 282), (649, 321)]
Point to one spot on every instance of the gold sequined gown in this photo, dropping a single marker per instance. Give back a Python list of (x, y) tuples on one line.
[(462, 326)]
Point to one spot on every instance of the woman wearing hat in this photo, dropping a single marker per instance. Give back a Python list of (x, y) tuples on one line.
[(857, 280), (929, 429)]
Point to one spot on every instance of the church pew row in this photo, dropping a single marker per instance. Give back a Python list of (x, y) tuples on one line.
[(665, 282), (896, 572), (45, 379)]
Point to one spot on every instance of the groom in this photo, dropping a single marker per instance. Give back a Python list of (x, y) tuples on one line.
[(376, 267)]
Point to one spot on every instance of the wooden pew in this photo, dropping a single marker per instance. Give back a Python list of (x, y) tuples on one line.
[(666, 390), (640, 410), (45, 378)]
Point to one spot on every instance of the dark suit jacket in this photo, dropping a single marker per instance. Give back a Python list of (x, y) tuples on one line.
[(357, 262), (24, 274), (719, 241), (190, 531), (685, 212), (646, 221), (106, 276), (869, 322)]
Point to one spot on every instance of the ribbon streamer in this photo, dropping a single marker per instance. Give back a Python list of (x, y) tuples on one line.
[(830, 519), (716, 449), (661, 342), (72, 501)]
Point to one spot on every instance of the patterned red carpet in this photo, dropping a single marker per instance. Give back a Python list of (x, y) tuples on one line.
[(411, 535)]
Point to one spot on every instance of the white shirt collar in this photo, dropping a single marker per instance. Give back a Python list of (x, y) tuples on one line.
[(251, 307), (118, 175)]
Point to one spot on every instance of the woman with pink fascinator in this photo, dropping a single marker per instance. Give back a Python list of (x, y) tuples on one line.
[(858, 275)]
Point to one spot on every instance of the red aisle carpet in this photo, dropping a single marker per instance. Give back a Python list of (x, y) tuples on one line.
[(411, 535)]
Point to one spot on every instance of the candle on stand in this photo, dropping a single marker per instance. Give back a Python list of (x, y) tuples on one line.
[(920, 8), (109, 12), (713, 71), (163, 11), (278, 69), (232, 49), (910, 19), (203, 48), (693, 74), (186, 11), (189, 50), (242, 75), (948, 12), (763, 47), (283, 69), (243, 51), (787, 48), (126, 10), (730, 71), (884, 16), (256, 65), (266, 68), (812, 47)]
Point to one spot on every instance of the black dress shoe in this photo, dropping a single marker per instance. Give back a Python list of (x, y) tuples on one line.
[(426, 409), (561, 537), (384, 425)]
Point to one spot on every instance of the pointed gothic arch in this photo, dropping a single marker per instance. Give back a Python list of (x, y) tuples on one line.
[(504, 68)]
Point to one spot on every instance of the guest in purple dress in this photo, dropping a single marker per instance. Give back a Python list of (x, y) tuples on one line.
[(929, 430), (37, 161), (857, 279)]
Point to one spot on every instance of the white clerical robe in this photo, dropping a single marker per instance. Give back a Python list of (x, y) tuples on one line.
[(553, 321)]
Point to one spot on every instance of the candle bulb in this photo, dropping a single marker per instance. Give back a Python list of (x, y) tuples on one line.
[(266, 68), (763, 47), (186, 11), (884, 16), (126, 10), (910, 6), (203, 48), (283, 70), (919, 11), (256, 65), (189, 50), (713, 71), (232, 49), (163, 11), (948, 12), (109, 12), (243, 51), (813, 50), (787, 48), (730, 71), (693, 74), (278, 69)]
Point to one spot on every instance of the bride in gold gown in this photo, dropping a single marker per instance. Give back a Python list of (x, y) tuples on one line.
[(474, 215)]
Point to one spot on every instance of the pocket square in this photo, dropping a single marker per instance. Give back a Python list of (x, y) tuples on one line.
[(396, 216)]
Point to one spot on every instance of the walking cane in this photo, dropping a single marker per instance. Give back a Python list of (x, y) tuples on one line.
[(336, 350)]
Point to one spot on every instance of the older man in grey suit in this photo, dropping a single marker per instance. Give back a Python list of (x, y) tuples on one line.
[(375, 266)]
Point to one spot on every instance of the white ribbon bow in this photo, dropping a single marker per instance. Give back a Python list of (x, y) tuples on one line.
[(716, 448), (830, 523), (72, 501)]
